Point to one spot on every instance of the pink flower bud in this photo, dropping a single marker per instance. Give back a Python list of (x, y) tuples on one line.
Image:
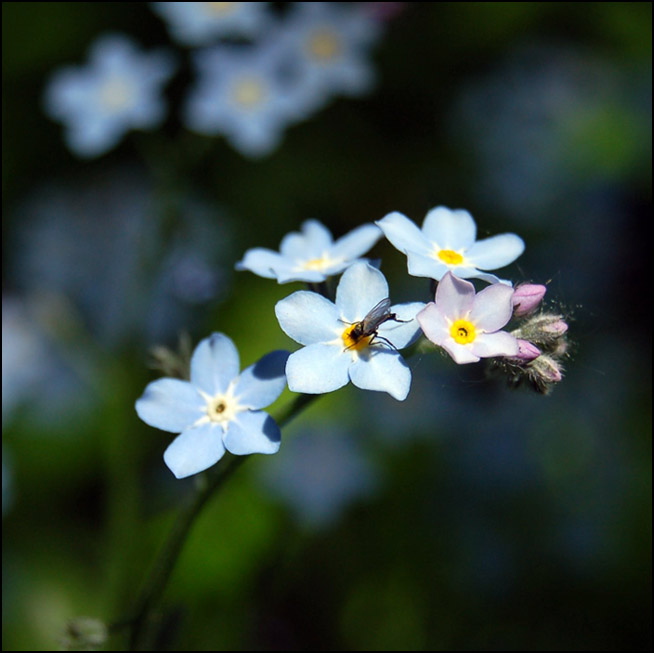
[(555, 328), (526, 351), (526, 297)]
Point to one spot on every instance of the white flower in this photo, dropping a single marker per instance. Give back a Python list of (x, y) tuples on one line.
[(218, 409), (311, 255), (119, 90), (333, 353), (199, 23), (467, 325), (329, 46), (447, 242), (242, 94)]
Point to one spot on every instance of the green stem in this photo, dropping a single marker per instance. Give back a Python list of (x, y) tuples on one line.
[(141, 623)]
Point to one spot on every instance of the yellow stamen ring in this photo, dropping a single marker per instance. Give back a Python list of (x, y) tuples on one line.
[(353, 343), (450, 257), (463, 332)]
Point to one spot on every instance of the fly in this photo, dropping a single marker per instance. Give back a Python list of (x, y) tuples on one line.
[(368, 327)]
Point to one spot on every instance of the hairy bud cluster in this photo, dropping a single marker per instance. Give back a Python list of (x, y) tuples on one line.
[(542, 344)]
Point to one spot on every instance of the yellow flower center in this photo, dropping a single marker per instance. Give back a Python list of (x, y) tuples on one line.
[(324, 44), (116, 93), (353, 341), (249, 92), (463, 332), (319, 264), (450, 257), (219, 8)]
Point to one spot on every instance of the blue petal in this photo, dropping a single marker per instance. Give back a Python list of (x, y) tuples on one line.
[(215, 363), (356, 243), (448, 229), (361, 287), (308, 318), (317, 369), (404, 234), (252, 432), (314, 240), (262, 383), (496, 252), (425, 266), (170, 405), (383, 370), (261, 261), (404, 333), (195, 450)]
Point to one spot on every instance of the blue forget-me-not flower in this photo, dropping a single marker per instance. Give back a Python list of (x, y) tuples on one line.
[(218, 409), (200, 23), (447, 242), (119, 90), (311, 255), (333, 353)]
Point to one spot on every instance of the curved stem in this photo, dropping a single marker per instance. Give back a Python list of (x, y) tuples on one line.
[(141, 626)]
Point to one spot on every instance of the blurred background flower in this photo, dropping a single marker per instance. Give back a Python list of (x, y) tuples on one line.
[(492, 519)]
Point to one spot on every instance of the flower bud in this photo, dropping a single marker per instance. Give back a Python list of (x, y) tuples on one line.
[(544, 329), (527, 351), (526, 298), (546, 370)]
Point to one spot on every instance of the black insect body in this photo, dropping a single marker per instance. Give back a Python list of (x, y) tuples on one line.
[(367, 328)]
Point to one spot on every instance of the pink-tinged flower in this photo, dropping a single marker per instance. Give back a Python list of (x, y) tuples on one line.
[(526, 298), (467, 325)]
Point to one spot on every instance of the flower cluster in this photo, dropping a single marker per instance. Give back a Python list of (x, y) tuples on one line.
[(356, 335), (257, 71)]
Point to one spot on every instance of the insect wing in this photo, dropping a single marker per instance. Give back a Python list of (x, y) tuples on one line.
[(376, 316)]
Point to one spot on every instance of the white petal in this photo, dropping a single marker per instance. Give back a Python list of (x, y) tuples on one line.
[(420, 265), (450, 229), (252, 432), (500, 343), (215, 363), (261, 261), (382, 370), (308, 318), (262, 383), (170, 405), (404, 234), (404, 333), (461, 354), (356, 243), (195, 450), (433, 323), (454, 296), (492, 307), (361, 287), (495, 252), (312, 242), (317, 369)]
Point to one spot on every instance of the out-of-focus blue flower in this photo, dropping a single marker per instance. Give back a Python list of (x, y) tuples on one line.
[(547, 123), (311, 255), (322, 472), (218, 409), (200, 23), (329, 44), (447, 242), (467, 325), (242, 94), (119, 90), (98, 243), (37, 366), (333, 353)]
